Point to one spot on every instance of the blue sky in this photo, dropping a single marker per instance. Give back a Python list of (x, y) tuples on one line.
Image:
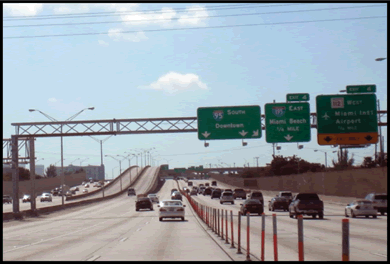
[(157, 73)]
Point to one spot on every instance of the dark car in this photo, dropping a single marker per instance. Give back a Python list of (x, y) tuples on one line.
[(239, 193), (216, 193), (251, 206), (214, 183), (130, 191), (279, 203), (190, 183), (176, 196), (208, 191), (201, 189), (54, 192), (7, 199), (207, 184), (143, 203), (379, 200)]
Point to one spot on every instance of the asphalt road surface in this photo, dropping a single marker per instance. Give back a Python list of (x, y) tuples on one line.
[(322, 237)]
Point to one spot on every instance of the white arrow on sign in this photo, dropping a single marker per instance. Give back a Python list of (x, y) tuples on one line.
[(243, 133), (288, 137), (255, 133), (205, 134)]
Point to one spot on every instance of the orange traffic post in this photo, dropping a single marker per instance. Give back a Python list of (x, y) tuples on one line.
[(218, 223), (231, 221), (345, 240), (248, 258), (275, 238), (239, 234), (262, 235), (222, 224), (226, 224), (300, 238)]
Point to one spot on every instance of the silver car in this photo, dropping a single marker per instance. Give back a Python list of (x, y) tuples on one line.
[(171, 209), (361, 208), (46, 197), (153, 197), (226, 197)]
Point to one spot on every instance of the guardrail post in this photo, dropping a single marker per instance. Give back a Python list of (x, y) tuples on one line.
[(248, 258), (231, 221), (262, 235), (275, 237), (218, 224), (226, 224), (345, 240), (239, 234), (222, 224), (300, 238)]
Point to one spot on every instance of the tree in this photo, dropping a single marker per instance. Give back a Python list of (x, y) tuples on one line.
[(24, 175), (51, 171), (343, 162), (368, 163)]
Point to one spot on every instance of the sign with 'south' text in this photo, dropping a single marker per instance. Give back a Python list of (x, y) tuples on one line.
[(229, 122)]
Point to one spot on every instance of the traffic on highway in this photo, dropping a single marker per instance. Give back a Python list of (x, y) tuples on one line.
[(168, 228)]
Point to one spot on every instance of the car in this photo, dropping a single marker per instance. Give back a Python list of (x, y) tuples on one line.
[(278, 203), (361, 208), (194, 192), (26, 198), (189, 183), (226, 197), (379, 201), (86, 185), (228, 190), (73, 191), (176, 196), (306, 204), (85, 190), (174, 190), (207, 184), (46, 197), (84, 182), (239, 193), (130, 191), (77, 189), (257, 195), (251, 206), (143, 203), (287, 194), (216, 193), (95, 185), (68, 194), (214, 183), (7, 199), (201, 189), (153, 197), (208, 191), (200, 185), (54, 192), (171, 209)]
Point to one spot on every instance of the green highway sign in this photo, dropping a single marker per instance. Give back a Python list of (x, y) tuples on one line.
[(287, 122), (180, 170), (297, 97), (364, 88), (347, 119), (229, 122)]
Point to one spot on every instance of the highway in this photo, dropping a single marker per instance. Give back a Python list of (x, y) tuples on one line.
[(322, 237), (113, 230)]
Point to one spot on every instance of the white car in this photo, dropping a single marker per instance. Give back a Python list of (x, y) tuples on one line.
[(227, 197), (86, 185), (153, 197), (85, 191), (171, 209), (361, 208), (46, 197)]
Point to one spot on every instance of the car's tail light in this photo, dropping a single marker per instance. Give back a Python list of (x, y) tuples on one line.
[(163, 210), (180, 209), (358, 207)]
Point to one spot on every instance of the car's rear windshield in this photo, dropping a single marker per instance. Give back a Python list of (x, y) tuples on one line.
[(143, 199), (308, 196), (171, 203), (381, 197), (364, 202), (286, 194), (227, 194), (239, 190), (257, 195), (252, 202)]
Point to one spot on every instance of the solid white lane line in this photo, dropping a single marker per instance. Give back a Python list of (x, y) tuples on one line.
[(93, 258), (123, 239)]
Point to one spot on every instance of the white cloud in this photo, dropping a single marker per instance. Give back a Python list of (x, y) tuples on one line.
[(173, 82), (116, 35), (23, 9), (103, 43), (52, 100), (70, 8), (194, 15)]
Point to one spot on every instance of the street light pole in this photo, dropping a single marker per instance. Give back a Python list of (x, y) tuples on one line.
[(120, 168)]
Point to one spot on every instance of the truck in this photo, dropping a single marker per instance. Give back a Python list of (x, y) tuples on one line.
[(306, 204)]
